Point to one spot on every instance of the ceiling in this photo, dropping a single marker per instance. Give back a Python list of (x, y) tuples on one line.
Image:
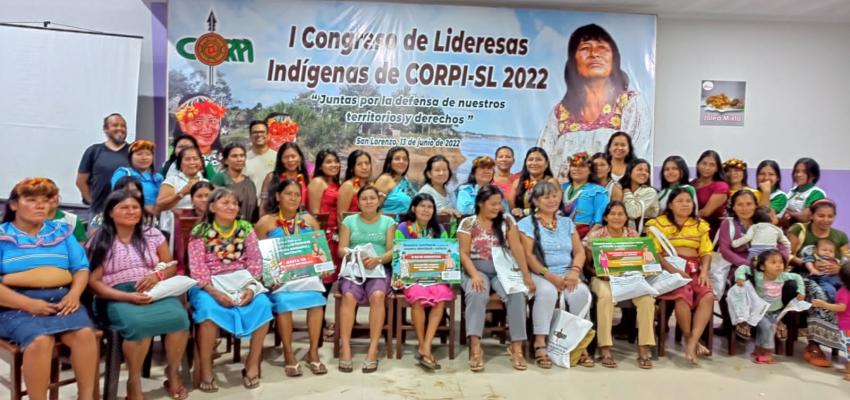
[(832, 11)]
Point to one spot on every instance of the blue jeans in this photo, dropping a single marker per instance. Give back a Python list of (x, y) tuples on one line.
[(829, 283)]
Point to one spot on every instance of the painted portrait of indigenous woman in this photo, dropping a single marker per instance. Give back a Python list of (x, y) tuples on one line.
[(199, 116), (597, 103), (282, 129)]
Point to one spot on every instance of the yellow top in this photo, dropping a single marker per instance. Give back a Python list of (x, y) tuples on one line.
[(694, 234)]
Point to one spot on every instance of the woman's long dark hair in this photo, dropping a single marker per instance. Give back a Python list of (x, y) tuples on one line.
[(429, 165), (539, 190), (737, 195), (682, 166), (229, 149), (773, 165), (668, 212), (434, 228), (626, 180), (718, 175), (279, 169), (99, 247), (812, 168), (173, 157), (123, 182), (630, 155), (182, 155), (524, 174), (609, 207), (575, 98), (388, 161), (483, 195), (274, 206), (351, 163), (593, 178), (320, 160)]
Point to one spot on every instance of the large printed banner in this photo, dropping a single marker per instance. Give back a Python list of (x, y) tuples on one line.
[(453, 80)]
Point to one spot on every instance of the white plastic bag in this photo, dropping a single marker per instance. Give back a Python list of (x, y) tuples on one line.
[(566, 332), (666, 282), (171, 287), (719, 273), (352, 265), (507, 271), (745, 305), (234, 283), (629, 286), (310, 283)]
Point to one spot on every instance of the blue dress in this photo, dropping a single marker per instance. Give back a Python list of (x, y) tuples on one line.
[(398, 200), (283, 302), (53, 246), (150, 182), (557, 244)]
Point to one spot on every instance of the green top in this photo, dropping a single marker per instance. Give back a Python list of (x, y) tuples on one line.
[(665, 193), (771, 291), (374, 233), (808, 239), (815, 194), (778, 201), (76, 222)]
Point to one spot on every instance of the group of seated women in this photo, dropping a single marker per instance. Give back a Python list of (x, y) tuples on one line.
[(546, 226)]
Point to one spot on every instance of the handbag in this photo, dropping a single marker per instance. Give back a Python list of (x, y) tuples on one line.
[(234, 283), (171, 287), (630, 285), (666, 282), (353, 269), (507, 271), (718, 275), (567, 333)]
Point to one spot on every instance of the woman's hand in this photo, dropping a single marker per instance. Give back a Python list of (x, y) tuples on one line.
[(477, 282), (765, 187), (41, 307), (529, 283), (818, 303), (147, 283), (827, 267), (703, 280), (555, 280), (68, 305), (246, 298), (222, 299), (571, 280), (801, 297), (371, 262), (138, 298)]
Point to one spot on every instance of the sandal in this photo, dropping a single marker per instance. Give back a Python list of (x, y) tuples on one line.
[(208, 387), (586, 360), (765, 358), (346, 366), (330, 330), (250, 382), (369, 366), (517, 360), (815, 357), (317, 368), (607, 361), (180, 394), (541, 357), (427, 362), (743, 330), (476, 360), (644, 363), (293, 371), (781, 331)]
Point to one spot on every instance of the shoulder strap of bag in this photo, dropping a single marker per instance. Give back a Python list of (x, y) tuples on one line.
[(665, 243), (731, 224), (584, 311)]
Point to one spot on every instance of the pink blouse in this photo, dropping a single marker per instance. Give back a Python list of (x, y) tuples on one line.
[(124, 264), (203, 265)]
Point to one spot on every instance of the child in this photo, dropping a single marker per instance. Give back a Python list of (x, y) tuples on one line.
[(841, 308), (824, 251), (762, 235), (768, 280)]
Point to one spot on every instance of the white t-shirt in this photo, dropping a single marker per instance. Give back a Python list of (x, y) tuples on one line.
[(442, 202), (257, 166)]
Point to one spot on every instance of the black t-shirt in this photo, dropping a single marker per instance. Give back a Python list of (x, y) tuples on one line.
[(100, 162)]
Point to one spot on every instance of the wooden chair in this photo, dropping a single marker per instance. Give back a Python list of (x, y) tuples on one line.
[(498, 322), (359, 329), (446, 331), (664, 310), (14, 356)]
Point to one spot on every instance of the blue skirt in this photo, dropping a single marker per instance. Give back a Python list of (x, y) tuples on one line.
[(292, 301), (21, 327), (240, 321)]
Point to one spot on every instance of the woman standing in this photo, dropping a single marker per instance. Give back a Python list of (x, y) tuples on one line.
[(367, 227), (393, 185), (535, 168), (600, 174), (324, 195), (736, 177), (233, 177), (289, 220), (437, 175), (674, 173), (222, 244), (712, 190), (129, 261), (290, 164), (584, 201), (621, 152), (504, 179), (477, 236), (556, 263), (43, 272), (639, 196), (420, 222), (141, 168), (358, 172), (691, 240), (614, 226), (769, 184), (480, 176), (804, 193), (174, 193)]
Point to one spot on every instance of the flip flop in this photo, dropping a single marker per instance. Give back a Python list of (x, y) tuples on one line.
[(250, 382), (476, 360), (179, 394), (346, 366), (317, 368), (427, 362), (208, 387), (541, 358), (369, 366), (607, 361), (644, 363), (517, 360), (293, 371)]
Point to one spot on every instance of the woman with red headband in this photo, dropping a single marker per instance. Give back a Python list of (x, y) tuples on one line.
[(200, 117), (141, 167)]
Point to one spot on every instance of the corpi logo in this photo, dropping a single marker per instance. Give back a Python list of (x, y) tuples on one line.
[(212, 49)]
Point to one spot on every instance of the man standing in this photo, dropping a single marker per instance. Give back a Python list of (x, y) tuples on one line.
[(100, 161), (261, 158)]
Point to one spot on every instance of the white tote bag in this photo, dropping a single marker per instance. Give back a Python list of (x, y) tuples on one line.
[(352, 265), (234, 283), (666, 282), (507, 271), (566, 332), (171, 287), (719, 273), (630, 285), (745, 305)]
